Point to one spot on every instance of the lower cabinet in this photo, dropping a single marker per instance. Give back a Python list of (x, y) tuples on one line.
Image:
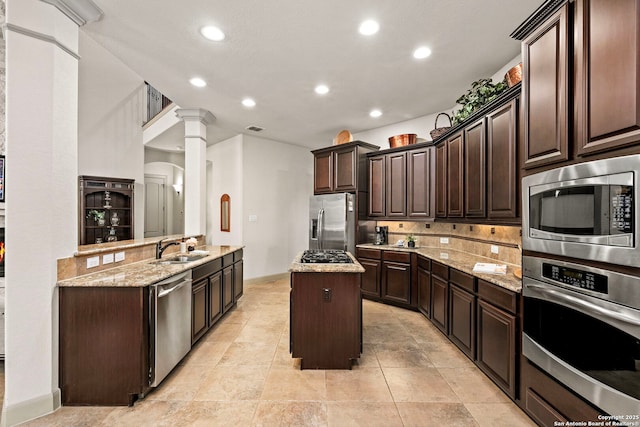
[(440, 296), (462, 320), (217, 285), (388, 277), (424, 286)]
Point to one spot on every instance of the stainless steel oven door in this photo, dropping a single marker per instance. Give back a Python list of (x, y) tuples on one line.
[(589, 344)]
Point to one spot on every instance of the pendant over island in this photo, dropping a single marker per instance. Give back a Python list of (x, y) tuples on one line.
[(325, 309)]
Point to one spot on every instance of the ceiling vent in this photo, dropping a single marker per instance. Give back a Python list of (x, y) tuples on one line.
[(254, 128)]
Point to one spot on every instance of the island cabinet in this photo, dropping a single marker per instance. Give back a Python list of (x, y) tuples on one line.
[(326, 319), (401, 183), (581, 80), (104, 345), (389, 276), (341, 168)]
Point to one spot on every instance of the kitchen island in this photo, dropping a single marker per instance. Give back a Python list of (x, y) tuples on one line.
[(325, 314)]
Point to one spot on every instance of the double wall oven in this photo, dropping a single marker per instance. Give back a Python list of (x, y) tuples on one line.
[(581, 279)]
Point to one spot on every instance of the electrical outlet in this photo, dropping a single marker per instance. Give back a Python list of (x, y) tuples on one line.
[(119, 256), (444, 255), (401, 225), (253, 218), (107, 259), (94, 261), (495, 249), (444, 240)]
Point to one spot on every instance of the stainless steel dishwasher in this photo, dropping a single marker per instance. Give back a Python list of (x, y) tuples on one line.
[(170, 324)]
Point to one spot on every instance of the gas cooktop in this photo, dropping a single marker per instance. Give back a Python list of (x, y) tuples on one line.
[(325, 256)]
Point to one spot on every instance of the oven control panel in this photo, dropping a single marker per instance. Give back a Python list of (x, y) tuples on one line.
[(575, 277), (622, 209)]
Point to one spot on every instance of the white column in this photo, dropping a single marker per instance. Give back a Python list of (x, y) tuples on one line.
[(195, 168), (41, 196)]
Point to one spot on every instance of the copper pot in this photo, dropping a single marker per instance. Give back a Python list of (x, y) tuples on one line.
[(402, 140), (514, 75)]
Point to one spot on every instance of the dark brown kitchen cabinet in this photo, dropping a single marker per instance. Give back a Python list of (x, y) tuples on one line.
[(227, 289), (215, 298), (424, 286), (341, 168), (396, 185), (113, 198), (377, 186), (396, 277), (370, 282), (238, 280), (104, 345), (440, 296), (420, 188), (546, 88), (455, 176), (475, 189), (462, 311), (502, 162), (441, 180), (607, 74), (498, 335), (199, 310)]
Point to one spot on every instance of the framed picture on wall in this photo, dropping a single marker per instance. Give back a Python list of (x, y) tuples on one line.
[(1, 178)]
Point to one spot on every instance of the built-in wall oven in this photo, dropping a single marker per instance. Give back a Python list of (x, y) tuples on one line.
[(581, 324)]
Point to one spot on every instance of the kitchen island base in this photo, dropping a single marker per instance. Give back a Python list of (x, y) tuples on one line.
[(326, 319)]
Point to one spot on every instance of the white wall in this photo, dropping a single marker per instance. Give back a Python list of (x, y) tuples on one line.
[(278, 180), (225, 176), (174, 202), (111, 106)]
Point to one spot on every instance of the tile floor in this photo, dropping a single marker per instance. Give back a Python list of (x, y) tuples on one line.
[(242, 374)]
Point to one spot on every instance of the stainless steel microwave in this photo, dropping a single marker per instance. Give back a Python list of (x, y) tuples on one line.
[(586, 211)]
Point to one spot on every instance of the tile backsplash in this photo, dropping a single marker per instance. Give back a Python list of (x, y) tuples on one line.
[(472, 238)]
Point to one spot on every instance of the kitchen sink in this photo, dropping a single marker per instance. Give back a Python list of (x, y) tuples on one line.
[(180, 259)]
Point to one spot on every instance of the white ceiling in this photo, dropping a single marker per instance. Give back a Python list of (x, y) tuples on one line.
[(276, 52)]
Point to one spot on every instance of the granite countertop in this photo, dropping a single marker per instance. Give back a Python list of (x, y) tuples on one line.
[(144, 273), (299, 267), (462, 261)]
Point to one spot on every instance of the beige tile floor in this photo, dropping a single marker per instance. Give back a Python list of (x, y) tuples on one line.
[(242, 374)]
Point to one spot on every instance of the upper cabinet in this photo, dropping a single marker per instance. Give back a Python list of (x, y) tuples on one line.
[(401, 183), (477, 165), (341, 168), (105, 209), (581, 80)]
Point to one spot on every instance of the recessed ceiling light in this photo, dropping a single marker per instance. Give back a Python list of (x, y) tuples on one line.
[(248, 102), (421, 52), (212, 33), (375, 113), (322, 89), (369, 27), (198, 82)]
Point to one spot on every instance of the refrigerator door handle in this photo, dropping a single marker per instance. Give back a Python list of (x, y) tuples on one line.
[(320, 228)]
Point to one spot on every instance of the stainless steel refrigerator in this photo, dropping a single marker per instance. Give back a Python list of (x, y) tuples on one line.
[(332, 222)]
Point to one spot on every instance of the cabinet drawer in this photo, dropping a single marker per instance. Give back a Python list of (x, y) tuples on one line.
[(237, 255), (207, 269), (463, 280), (368, 253), (424, 263), (500, 297), (397, 256), (440, 270), (227, 260)]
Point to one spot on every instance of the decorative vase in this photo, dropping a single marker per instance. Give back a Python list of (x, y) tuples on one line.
[(101, 222), (411, 244), (115, 219)]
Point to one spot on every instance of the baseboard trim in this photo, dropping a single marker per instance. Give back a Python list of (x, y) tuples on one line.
[(31, 409), (278, 276)]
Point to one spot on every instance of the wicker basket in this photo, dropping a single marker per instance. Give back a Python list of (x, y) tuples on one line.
[(437, 132)]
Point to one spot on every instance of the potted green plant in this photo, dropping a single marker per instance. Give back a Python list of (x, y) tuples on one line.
[(98, 216), (482, 92), (411, 241)]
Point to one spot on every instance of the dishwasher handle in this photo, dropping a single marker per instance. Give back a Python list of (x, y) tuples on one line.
[(165, 291)]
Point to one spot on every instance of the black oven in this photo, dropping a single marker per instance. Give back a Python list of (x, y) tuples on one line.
[(582, 326)]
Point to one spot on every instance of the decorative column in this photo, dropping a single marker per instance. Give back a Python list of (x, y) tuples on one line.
[(195, 168)]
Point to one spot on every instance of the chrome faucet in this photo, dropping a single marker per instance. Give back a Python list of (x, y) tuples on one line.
[(160, 249)]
